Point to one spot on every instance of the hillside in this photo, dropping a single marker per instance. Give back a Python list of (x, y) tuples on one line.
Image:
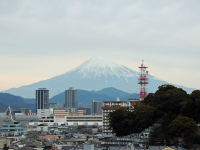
[(14, 102), (85, 97)]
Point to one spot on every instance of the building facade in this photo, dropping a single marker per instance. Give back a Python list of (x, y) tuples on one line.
[(62, 116), (42, 98), (87, 110), (71, 99), (25, 110), (14, 129), (110, 106), (96, 107), (84, 120), (42, 113)]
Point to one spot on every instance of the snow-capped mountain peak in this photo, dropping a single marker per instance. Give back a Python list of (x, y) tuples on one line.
[(103, 67), (94, 74)]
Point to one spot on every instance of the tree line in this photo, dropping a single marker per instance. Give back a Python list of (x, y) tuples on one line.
[(170, 111)]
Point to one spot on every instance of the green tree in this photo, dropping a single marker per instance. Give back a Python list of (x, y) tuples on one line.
[(124, 122), (170, 110), (167, 98), (143, 117), (170, 99), (183, 128), (192, 106), (120, 122)]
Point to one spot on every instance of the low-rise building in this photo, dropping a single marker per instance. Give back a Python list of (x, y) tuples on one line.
[(44, 113), (62, 116), (47, 119), (84, 120), (14, 129), (87, 110), (4, 141), (25, 110)]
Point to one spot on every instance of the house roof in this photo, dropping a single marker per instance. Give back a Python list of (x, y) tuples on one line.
[(168, 148)]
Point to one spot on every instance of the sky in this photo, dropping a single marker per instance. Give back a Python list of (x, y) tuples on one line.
[(40, 39)]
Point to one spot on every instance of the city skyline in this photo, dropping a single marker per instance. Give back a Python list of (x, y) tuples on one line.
[(41, 39)]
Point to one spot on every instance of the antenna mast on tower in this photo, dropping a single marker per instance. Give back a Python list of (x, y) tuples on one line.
[(143, 81)]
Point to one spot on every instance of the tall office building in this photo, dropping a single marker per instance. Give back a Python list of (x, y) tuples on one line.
[(42, 98), (71, 99), (96, 107)]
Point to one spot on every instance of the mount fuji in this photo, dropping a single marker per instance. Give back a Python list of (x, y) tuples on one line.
[(94, 74)]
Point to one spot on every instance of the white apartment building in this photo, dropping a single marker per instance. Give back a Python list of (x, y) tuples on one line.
[(84, 120), (110, 106), (62, 116), (43, 113)]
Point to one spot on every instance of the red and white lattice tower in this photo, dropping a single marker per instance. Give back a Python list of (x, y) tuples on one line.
[(143, 81)]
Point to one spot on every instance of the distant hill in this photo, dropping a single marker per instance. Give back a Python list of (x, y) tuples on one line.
[(15, 102), (85, 97), (113, 92)]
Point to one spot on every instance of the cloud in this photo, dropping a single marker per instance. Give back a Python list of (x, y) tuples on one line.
[(158, 31)]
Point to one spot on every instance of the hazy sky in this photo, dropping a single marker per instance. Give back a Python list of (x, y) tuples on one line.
[(43, 38)]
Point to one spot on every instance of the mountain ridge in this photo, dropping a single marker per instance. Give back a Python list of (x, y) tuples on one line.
[(15, 102), (84, 97), (94, 74)]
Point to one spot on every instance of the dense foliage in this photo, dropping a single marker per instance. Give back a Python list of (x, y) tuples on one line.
[(124, 122), (171, 112)]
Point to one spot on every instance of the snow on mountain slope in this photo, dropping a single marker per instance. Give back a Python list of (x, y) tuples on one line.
[(97, 67), (94, 74)]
